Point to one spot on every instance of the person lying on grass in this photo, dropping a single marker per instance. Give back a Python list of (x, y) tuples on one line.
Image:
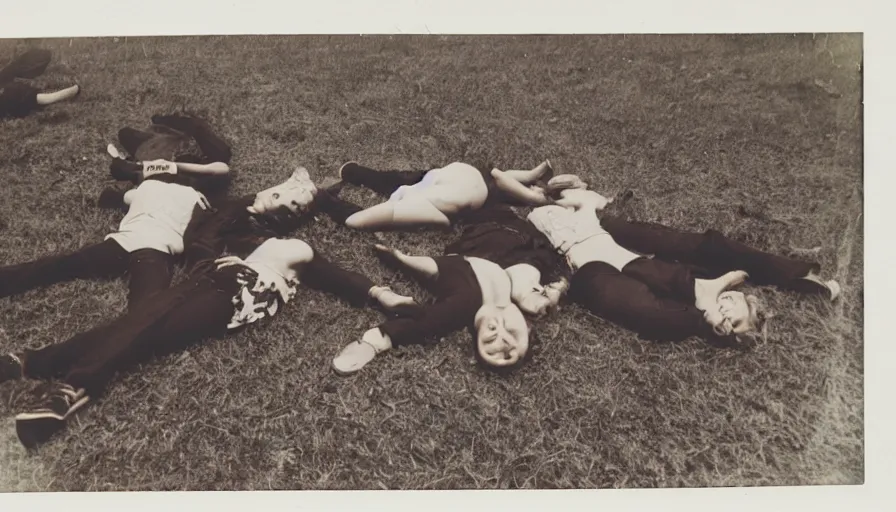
[(221, 295), (181, 144), (277, 212), (487, 279), (148, 241), (18, 99), (434, 197), (685, 289)]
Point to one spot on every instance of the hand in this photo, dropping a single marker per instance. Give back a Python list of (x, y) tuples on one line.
[(228, 261), (203, 202), (720, 325)]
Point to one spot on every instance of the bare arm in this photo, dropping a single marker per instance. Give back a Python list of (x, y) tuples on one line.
[(520, 192)]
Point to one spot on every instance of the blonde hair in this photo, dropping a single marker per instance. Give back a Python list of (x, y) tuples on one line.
[(758, 319)]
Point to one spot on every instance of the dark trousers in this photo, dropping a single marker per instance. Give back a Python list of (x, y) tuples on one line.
[(17, 100), (171, 320), (712, 252), (381, 182), (163, 145), (175, 146), (322, 275), (458, 298), (149, 270), (654, 298)]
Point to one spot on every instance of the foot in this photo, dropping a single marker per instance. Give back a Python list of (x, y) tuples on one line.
[(357, 354), (48, 416), (812, 284), (566, 181), (10, 368), (545, 171), (392, 301), (384, 250)]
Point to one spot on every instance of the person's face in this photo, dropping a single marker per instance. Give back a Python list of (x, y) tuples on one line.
[(734, 308), (295, 194), (502, 336)]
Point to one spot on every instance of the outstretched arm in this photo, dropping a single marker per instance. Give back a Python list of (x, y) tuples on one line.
[(516, 190)]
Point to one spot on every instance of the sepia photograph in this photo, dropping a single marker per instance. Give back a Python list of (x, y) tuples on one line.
[(431, 262)]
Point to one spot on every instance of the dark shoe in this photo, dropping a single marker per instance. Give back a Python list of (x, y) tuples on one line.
[(48, 416), (813, 285), (10, 367), (347, 172)]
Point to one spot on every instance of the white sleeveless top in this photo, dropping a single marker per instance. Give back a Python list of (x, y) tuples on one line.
[(157, 217)]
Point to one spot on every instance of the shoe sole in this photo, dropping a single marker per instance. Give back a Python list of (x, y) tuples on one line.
[(343, 167), (810, 287), (36, 428)]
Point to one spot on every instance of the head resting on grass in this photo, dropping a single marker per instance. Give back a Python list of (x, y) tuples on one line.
[(501, 338), (295, 194), (744, 314)]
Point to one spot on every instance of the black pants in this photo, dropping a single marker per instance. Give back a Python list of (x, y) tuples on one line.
[(145, 145), (17, 100), (322, 275), (651, 297), (149, 270), (458, 298), (169, 321), (382, 182), (712, 252), (655, 297), (167, 144)]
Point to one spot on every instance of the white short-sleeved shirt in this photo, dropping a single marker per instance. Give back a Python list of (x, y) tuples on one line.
[(157, 217)]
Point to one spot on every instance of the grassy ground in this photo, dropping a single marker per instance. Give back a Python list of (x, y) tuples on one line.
[(759, 136)]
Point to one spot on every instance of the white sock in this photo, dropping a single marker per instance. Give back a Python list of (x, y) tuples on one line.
[(46, 98)]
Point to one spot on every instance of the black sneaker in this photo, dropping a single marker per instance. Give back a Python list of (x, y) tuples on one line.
[(813, 285), (48, 417), (10, 367)]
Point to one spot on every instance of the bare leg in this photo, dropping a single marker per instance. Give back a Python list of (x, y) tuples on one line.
[(396, 214), (47, 98)]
